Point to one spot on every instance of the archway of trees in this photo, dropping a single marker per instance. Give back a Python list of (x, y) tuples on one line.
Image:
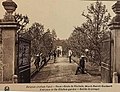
[(87, 36)]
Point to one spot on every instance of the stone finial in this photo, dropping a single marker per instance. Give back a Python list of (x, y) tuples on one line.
[(10, 7), (116, 7), (115, 23)]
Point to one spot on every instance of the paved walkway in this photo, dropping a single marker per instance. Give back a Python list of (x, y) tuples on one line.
[(62, 72)]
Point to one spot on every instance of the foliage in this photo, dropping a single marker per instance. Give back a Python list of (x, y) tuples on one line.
[(54, 35), (48, 42), (41, 41), (54, 38), (36, 31), (90, 34), (22, 20)]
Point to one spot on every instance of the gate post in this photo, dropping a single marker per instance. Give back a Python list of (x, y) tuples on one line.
[(115, 30), (9, 28)]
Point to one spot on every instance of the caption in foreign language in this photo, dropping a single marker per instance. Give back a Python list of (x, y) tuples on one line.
[(68, 87)]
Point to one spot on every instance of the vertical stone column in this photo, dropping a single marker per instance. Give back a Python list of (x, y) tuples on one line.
[(115, 30), (8, 44), (9, 28)]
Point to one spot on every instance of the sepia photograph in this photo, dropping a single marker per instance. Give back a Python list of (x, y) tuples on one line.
[(59, 41)]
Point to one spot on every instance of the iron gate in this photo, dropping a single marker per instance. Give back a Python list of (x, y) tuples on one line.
[(106, 59), (23, 60)]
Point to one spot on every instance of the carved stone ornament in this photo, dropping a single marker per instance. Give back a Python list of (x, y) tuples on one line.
[(115, 23), (10, 7)]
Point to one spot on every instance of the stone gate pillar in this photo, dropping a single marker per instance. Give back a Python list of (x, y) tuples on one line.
[(115, 30), (9, 28)]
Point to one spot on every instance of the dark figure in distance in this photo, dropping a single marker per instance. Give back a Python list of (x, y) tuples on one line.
[(37, 60), (81, 66), (70, 55), (54, 54)]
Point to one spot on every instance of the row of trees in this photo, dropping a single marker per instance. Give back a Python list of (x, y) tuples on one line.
[(42, 41), (91, 33)]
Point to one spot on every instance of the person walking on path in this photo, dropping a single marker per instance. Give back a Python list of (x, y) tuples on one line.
[(54, 54), (40, 64), (69, 55), (81, 66), (37, 60)]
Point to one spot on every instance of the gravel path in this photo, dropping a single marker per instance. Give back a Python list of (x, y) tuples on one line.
[(62, 72)]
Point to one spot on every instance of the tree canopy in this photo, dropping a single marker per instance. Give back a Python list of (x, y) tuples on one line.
[(90, 34), (41, 40)]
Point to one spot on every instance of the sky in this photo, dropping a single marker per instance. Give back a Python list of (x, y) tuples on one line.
[(61, 15)]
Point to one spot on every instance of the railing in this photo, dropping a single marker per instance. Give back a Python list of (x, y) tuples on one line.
[(35, 71)]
